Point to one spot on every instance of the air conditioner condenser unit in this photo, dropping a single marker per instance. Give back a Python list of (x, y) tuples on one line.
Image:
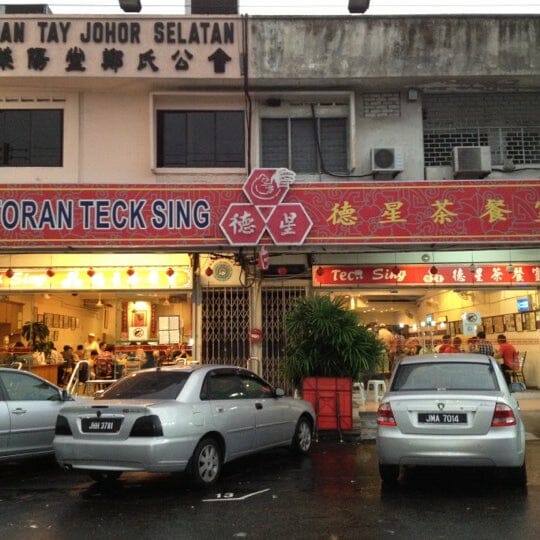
[(471, 161), (386, 162)]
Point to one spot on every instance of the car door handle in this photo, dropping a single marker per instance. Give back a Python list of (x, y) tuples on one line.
[(19, 411), (258, 405)]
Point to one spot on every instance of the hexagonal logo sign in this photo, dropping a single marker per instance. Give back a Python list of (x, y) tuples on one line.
[(268, 187), (289, 224), (242, 224)]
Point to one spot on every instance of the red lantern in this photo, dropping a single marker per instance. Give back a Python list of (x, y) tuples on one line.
[(433, 270), (91, 272), (130, 271), (320, 271), (170, 272), (395, 270), (10, 273), (50, 272), (282, 271), (208, 271)]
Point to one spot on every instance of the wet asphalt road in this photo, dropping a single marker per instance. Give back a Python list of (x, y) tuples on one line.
[(334, 493)]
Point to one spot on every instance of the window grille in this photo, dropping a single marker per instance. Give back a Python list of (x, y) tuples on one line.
[(519, 144)]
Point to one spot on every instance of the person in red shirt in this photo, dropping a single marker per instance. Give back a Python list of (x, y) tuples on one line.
[(508, 354)]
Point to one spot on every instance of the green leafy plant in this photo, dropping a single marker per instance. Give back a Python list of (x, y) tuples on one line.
[(37, 335), (325, 339)]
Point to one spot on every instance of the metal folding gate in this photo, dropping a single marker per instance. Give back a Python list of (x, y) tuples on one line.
[(226, 325)]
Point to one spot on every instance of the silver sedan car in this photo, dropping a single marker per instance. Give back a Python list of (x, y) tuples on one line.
[(29, 406), (191, 419), (449, 410)]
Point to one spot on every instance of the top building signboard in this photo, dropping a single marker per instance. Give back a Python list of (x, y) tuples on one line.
[(188, 47)]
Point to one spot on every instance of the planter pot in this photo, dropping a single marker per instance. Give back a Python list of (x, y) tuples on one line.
[(331, 398)]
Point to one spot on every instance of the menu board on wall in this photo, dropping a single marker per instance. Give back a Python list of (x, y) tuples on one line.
[(169, 330)]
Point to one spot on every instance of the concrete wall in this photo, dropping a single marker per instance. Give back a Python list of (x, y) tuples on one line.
[(430, 50)]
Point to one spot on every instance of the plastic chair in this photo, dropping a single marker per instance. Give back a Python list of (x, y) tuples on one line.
[(375, 390), (517, 374)]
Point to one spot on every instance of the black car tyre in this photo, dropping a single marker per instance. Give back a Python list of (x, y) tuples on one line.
[(206, 463), (303, 436), (104, 476), (389, 473), (517, 476)]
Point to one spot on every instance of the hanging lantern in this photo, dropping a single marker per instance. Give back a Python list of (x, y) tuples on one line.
[(9, 273), (91, 272), (130, 271), (395, 270), (50, 272), (282, 271), (208, 271), (320, 271), (169, 272), (433, 270)]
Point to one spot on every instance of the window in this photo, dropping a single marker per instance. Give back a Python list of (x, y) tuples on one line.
[(200, 138), (22, 387), (148, 385), (441, 375), (31, 137), (292, 143)]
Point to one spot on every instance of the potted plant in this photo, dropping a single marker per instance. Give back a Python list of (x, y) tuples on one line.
[(326, 350), (37, 335)]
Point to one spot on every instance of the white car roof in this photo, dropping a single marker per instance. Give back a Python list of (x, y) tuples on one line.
[(472, 358)]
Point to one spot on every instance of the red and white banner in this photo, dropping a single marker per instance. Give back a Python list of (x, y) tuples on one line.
[(442, 275), (99, 216)]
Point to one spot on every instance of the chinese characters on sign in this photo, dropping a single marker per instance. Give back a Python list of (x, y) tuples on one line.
[(76, 46), (287, 223), (422, 275), (268, 204)]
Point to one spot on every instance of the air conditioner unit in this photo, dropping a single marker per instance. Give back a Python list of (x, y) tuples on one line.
[(386, 162), (471, 161)]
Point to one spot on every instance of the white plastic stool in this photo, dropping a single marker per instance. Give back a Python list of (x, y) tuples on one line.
[(359, 392), (375, 390)]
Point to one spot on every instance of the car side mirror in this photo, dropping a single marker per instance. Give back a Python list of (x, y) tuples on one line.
[(66, 396), (279, 392)]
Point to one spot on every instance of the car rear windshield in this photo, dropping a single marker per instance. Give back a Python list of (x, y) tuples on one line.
[(444, 376), (148, 385)]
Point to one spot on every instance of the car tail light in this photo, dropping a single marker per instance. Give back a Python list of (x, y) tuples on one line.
[(385, 415), (62, 426), (147, 426), (503, 416)]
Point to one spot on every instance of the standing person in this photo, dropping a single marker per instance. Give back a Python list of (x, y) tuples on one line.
[(64, 369), (445, 345), (508, 354), (90, 344), (482, 345), (386, 337)]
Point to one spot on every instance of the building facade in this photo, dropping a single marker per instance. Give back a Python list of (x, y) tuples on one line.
[(391, 160)]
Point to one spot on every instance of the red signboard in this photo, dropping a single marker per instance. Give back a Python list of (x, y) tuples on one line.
[(105, 216), (447, 275)]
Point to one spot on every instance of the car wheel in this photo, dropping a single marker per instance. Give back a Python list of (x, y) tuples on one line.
[(206, 463), (517, 476), (389, 473), (105, 476), (303, 436)]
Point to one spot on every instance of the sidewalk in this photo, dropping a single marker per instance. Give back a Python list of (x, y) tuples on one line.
[(365, 416)]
